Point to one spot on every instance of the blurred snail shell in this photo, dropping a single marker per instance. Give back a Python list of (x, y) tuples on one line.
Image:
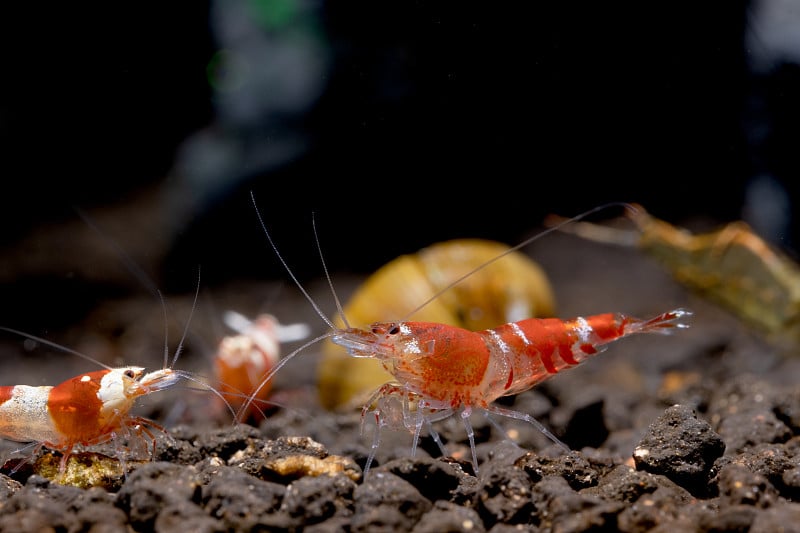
[(509, 289)]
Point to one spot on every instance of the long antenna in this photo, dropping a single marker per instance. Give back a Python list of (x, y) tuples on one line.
[(524, 243), (286, 266), (55, 345), (339, 307), (137, 271)]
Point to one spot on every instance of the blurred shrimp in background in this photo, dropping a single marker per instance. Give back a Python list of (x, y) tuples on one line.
[(242, 360)]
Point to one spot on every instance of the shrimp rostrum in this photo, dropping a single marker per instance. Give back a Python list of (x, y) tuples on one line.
[(441, 370)]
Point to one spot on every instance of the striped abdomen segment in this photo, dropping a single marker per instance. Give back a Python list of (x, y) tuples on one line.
[(537, 348)]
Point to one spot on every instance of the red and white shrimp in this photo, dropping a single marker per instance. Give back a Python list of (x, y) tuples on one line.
[(242, 360), (441, 370), (88, 409)]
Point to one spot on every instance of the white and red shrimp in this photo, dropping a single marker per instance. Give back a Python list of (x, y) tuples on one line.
[(89, 409), (242, 360), (440, 370)]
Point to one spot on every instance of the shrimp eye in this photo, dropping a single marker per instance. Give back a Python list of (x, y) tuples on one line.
[(129, 373), (395, 330)]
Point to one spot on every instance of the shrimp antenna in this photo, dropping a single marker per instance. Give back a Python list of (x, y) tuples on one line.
[(243, 409), (179, 349), (339, 307), (55, 345), (129, 263), (166, 327), (286, 266), (524, 243), (189, 376), (146, 282)]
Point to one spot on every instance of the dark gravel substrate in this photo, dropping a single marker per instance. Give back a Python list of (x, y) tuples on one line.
[(697, 431)]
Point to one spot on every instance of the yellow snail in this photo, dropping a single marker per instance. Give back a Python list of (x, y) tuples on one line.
[(506, 290)]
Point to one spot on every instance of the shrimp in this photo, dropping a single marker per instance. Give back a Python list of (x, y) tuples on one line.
[(242, 360), (441, 370), (89, 409)]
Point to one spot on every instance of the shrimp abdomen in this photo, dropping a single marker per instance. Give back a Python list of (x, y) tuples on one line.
[(538, 348), (23, 414)]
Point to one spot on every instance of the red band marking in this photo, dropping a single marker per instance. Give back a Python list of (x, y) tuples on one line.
[(510, 379), (547, 360), (566, 355), (6, 393)]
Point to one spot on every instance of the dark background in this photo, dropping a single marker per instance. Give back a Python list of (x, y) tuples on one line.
[(397, 124)]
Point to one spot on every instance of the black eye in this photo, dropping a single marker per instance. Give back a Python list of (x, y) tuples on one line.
[(129, 373), (395, 330)]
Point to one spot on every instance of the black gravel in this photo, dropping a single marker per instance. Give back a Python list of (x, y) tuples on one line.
[(698, 431)]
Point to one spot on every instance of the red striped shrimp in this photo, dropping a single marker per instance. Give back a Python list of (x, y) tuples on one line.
[(89, 409), (441, 370)]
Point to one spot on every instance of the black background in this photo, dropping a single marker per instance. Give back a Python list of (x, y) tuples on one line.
[(434, 120)]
